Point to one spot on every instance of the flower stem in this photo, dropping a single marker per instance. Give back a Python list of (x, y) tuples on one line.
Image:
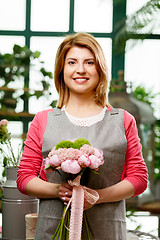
[(61, 232), (12, 153), (87, 228)]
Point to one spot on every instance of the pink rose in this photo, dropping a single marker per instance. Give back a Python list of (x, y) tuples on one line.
[(46, 161), (95, 162), (89, 150), (47, 168), (99, 153), (52, 152), (71, 166), (4, 122), (83, 160), (54, 161)]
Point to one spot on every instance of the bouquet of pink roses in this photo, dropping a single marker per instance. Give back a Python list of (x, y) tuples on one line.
[(73, 157)]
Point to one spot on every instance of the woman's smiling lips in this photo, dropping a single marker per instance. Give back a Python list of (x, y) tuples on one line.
[(80, 79)]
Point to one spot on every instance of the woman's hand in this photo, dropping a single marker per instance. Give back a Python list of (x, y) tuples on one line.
[(87, 205), (65, 192), (114, 193)]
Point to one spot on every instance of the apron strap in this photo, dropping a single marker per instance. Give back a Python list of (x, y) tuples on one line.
[(114, 111), (56, 112)]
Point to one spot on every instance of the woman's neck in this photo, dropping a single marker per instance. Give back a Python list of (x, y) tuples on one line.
[(82, 107)]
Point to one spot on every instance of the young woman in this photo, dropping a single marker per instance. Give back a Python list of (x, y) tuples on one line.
[(81, 79)]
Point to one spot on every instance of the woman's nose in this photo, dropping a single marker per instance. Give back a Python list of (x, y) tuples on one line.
[(80, 68)]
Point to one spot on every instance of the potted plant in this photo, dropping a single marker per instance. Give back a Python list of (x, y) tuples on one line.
[(6, 149), (14, 203), (15, 67)]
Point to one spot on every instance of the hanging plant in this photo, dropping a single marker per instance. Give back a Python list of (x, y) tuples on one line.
[(15, 67)]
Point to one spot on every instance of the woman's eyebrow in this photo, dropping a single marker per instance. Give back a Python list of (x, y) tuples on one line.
[(86, 59), (70, 58)]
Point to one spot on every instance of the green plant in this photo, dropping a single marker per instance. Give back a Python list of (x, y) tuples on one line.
[(144, 95), (138, 25), (6, 149), (131, 215), (77, 144), (15, 67), (118, 85)]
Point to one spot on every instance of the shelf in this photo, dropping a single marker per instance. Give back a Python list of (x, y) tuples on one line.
[(152, 207), (16, 116)]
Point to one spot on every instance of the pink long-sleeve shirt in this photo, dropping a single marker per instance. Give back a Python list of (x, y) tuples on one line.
[(31, 164)]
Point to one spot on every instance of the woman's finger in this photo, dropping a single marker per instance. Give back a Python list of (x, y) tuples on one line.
[(65, 192), (65, 199), (65, 186)]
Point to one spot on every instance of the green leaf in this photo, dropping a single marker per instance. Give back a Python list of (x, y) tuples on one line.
[(87, 226), (38, 94), (17, 49), (78, 143), (45, 84), (48, 167), (64, 144), (95, 172), (36, 54), (4, 172), (5, 161), (46, 73), (53, 103)]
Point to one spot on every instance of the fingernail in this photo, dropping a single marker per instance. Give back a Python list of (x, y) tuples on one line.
[(66, 193), (63, 198), (65, 203)]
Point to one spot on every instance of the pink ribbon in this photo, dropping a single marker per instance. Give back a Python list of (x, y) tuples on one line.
[(78, 194)]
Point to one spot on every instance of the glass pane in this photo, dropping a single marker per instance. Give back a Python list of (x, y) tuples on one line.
[(134, 5), (6, 46), (7, 43), (106, 44), (144, 70), (49, 15), (12, 14), (93, 16), (15, 128), (48, 48)]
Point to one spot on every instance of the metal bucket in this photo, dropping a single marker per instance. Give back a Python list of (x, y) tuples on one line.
[(15, 206)]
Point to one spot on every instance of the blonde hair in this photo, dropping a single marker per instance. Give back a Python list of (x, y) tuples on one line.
[(83, 40)]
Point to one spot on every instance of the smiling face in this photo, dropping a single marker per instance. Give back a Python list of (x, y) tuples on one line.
[(80, 71)]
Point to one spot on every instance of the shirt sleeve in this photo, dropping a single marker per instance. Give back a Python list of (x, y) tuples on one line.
[(135, 170), (31, 164)]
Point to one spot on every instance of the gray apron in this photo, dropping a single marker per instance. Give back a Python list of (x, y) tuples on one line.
[(107, 220)]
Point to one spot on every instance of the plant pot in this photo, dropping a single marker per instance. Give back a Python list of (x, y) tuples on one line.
[(15, 206)]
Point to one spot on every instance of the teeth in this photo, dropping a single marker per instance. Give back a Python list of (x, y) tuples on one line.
[(80, 79)]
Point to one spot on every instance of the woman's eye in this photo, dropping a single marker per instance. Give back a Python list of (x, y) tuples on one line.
[(71, 62), (90, 63)]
